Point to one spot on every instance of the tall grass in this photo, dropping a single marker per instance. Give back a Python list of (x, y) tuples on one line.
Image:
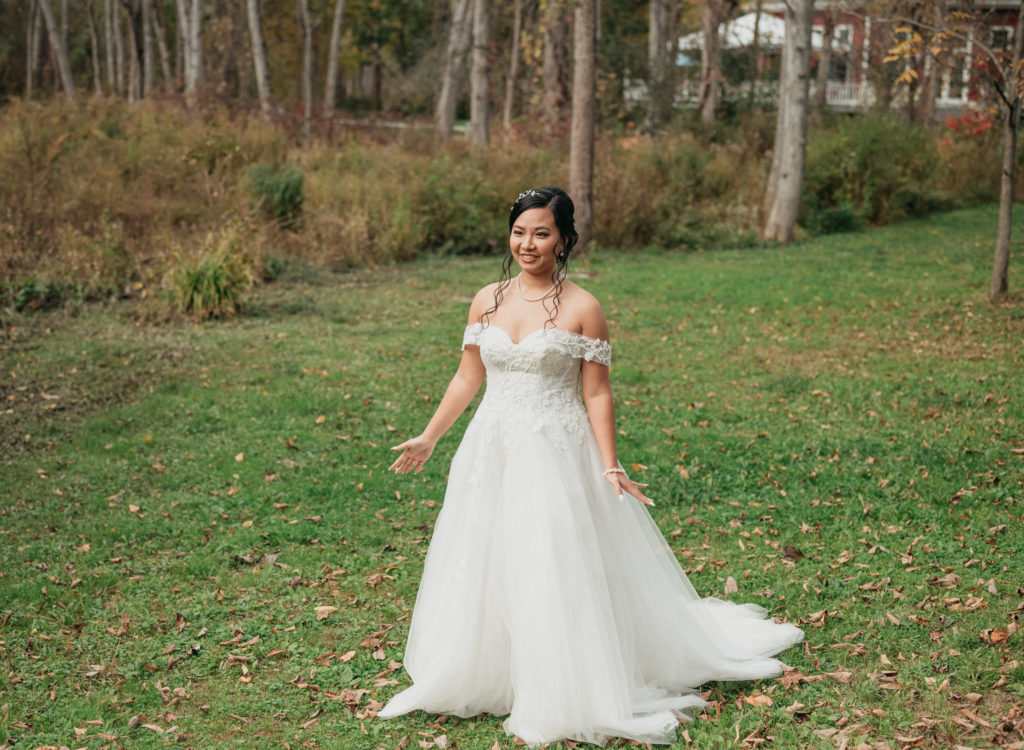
[(96, 199)]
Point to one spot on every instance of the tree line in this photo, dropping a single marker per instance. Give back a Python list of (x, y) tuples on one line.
[(565, 64)]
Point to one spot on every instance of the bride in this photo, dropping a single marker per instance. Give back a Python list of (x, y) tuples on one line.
[(547, 593)]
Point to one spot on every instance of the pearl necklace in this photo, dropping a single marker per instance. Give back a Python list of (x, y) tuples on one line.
[(534, 299)]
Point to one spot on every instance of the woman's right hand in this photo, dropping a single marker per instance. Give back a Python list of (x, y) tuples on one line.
[(415, 453)]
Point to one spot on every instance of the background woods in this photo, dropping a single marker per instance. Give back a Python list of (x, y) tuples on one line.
[(201, 544), (710, 123)]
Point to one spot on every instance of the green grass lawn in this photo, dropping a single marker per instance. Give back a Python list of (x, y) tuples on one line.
[(201, 545)]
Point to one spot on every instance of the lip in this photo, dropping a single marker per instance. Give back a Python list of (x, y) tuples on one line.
[(529, 258)]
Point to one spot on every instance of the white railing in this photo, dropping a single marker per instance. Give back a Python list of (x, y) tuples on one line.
[(844, 94), (841, 96)]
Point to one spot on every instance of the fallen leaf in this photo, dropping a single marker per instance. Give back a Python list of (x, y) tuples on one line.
[(324, 610), (730, 585), (758, 699), (994, 635)]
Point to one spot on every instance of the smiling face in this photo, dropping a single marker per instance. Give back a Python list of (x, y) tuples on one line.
[(535, 240)]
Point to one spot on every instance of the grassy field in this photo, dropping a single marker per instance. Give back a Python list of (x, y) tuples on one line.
[(202, 546)]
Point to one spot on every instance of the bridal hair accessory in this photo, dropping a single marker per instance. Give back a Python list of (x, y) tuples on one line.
[(524, 194), (535, 299)]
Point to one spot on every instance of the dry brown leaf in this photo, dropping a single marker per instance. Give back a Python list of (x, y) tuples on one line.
[(994, 635), (758, 699), (324, 611), (730, 585), (947, 581)]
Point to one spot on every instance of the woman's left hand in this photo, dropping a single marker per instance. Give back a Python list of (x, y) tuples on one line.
[(622, 483)]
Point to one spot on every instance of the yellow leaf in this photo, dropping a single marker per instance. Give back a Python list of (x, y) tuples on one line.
[(240, 457), (321, 419)]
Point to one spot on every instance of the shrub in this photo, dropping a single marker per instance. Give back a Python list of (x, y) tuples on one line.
[(871, 169), (212, 283), (278, 191), (34, 294), (94, 198)]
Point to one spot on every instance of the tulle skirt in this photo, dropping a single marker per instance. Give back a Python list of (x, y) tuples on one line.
[(546, 598)]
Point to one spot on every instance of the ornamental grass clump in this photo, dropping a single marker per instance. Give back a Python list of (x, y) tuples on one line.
[(213, 283)]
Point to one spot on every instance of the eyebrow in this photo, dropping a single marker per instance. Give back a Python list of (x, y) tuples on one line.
[(541, 227)]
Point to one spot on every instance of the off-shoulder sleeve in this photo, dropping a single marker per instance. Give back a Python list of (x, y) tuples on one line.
[(471, 336), (593, 350)]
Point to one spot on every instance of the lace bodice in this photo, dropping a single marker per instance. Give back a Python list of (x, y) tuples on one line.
[(533, 385), (576, 345)]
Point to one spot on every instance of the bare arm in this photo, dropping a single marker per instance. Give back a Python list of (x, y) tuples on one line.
[(457, 397), (597, 394)]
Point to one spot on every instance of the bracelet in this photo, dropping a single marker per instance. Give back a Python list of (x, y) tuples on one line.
[(616, 470)]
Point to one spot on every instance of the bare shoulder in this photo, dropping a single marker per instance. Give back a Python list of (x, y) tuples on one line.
[(585, 311), (481, 301)]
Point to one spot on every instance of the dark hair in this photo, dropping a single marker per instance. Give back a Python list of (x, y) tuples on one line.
[(560, 204)]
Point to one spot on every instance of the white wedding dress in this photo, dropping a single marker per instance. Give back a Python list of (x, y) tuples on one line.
[(544, 596)]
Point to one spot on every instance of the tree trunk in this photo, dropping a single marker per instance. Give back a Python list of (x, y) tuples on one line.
[(32, 47), (931, 89), (1001, 262), (825, 61), (118, 39), (584, 114), (454, 68), (195, 46), (147, 47), (60, 50), (659, 87), (94, 41), (134, 68), (160, 32), (479, 77), (710, 61), (331, 88), (190, 15), (378, 79), (306, 24), (513, 64), (259, 57), (786, 179), (755, 45), (556, 64), (108, 38)]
